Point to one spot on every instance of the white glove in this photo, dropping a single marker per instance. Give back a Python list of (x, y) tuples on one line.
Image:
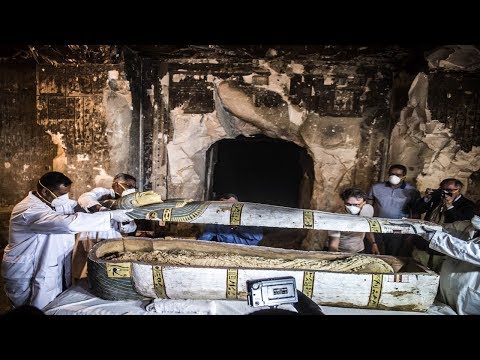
[(120, 215), (428, 229), (429, 232), (425, 230)]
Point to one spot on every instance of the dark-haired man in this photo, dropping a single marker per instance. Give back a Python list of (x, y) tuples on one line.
[(102, 199), (393, 199), (446, 204), (355, 202), (36, 264), (442, 206)]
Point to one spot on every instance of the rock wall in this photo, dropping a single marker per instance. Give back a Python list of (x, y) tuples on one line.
[(437, 143), (82, 114), (69, 118), (117, 102), (340, 105), (338, 113)]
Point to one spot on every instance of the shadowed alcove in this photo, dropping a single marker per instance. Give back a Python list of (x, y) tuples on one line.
[(260, 169)]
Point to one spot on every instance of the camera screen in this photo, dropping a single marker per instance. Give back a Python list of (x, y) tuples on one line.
[(278, 292), (272, 291)]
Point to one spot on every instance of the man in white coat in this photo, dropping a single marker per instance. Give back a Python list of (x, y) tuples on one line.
[(36, 264), (460, 273), (101, 199)]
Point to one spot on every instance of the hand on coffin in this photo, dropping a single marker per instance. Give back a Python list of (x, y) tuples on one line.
[(428, 228), (424, 229), (146, 198), (428, 232), (120, 215)]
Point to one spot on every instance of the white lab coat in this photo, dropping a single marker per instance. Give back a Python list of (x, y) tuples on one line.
[(87, 239), (92, 198), (460, 272), (36, 264)]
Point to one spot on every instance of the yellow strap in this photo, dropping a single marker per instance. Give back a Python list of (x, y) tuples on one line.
[(375, 291), (374, 226), (308, 219), (158, 282), (236, 214), (232, 283), (308, 277)]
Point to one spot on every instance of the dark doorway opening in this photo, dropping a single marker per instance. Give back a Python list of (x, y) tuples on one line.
[(260, 169)]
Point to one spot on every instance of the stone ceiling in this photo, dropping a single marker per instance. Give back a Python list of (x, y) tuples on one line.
[(57, 54)]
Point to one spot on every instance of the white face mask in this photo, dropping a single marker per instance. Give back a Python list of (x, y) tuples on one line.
[(394, 179), (354, 210), (128, 191), (63, 204), (476, 222), (61, 200)]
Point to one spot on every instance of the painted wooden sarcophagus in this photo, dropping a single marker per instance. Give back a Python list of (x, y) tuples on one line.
[(145, 268)]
